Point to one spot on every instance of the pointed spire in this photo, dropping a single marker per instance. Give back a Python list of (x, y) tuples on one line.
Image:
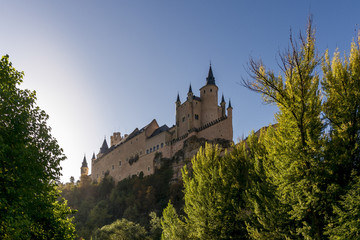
[(84, 163), (104, 147), (229, 104), (210, 79), (178, 98), (190, 90), (222, 99), (93, 156)]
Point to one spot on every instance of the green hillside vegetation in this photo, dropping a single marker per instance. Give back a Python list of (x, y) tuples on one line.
[(139, 200)]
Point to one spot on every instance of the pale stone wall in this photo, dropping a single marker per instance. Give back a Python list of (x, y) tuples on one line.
[(222, 129), (181, 116), (209, 103)]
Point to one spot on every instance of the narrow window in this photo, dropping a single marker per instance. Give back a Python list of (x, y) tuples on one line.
[(162, 145), (147, 151), (183, 119), (148, 169), (196, 116), (154, 149), (112, 167), (210, 90), (157, 147), (119, 163)]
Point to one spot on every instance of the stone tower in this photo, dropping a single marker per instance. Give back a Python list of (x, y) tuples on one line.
[(209, 99), (84, 170)]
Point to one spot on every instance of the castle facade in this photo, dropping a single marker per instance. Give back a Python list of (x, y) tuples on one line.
[(131, 154)]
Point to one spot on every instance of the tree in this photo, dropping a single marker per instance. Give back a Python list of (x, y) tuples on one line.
[(214, 205), (173, 227), (267, 212), (341, 85), (295, 163), (121, 229), (155, 226), (29, 166)]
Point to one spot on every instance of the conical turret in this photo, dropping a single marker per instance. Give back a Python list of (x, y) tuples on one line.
[(210, 80), (84, 163), (190, 94), (84, 170), (104, 147)]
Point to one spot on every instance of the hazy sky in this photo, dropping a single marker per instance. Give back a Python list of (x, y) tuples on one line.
[(105, 66)]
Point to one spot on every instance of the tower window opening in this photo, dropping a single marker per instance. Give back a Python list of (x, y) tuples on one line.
[(183, 119), (162, 145), (210, 90), (119, 163), (112, 167), (157, 147), (196, 116)]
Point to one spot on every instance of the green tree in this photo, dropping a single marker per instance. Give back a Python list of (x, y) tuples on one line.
[(121, 229), (155, 226), (266, 220), (214, 189), (341, 85), (294, 148), (29, 166), (173, 227)]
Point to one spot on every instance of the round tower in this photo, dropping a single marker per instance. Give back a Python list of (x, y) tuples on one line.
[(209, 99)]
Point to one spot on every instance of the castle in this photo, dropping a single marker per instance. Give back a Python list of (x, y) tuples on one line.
[(134, 153)]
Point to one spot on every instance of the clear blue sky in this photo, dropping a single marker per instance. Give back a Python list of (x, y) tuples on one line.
[(105, 66)]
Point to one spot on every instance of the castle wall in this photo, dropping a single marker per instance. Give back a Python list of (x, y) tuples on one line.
[(158, 144), (222, 129), (115, 160)]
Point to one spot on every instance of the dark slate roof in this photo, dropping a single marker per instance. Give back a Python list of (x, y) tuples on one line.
[(197, 98), (222, 98), (104, 147), (230, 103), (84, 163), (134, 133), (210, 80), (161, 129), (178, 98), (93, 156), (190, 90)]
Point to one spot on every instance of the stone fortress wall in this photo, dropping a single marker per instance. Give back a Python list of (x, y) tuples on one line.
[(134, 153)]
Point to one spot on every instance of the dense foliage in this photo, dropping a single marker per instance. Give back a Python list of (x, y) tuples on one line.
[(138, 199), (29, 166)]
